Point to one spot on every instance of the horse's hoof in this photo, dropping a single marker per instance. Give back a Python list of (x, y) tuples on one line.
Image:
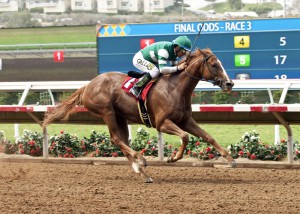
[(142, 161), (148, 180), (170, 159)]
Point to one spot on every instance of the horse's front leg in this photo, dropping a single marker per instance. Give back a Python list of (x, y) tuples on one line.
[(192, 127), (171, 128)]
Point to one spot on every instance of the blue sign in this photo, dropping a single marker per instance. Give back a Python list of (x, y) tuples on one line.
[(255, 49)]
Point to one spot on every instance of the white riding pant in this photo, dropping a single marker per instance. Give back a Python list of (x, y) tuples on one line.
[(144, 65)]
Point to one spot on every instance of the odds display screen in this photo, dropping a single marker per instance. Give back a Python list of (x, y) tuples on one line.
[(248, 49)]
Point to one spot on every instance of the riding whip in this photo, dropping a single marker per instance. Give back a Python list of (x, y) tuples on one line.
[(194, 41)]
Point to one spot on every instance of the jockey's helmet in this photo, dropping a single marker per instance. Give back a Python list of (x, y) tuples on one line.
[(184, 42)]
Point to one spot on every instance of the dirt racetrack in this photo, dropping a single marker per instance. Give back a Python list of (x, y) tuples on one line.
[(86, 188)]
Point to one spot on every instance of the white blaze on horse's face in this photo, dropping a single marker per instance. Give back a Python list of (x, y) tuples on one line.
[(227, 83)]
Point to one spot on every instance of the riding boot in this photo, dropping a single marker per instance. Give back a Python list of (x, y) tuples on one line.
[(139, 85)]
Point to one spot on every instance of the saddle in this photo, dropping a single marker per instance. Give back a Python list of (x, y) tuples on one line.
[(141, 100)]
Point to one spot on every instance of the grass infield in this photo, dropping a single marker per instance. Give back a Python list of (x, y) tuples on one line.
[(45, 35)]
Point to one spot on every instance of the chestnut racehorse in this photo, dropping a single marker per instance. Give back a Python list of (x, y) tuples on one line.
[(168, 105)]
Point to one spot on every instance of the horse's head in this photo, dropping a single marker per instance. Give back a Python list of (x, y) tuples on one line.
[(204, 65)]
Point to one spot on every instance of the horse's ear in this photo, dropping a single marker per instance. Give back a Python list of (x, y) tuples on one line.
[(201, 52), (198, 51)]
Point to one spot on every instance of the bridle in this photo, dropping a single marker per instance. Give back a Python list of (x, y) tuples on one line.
[(204, 60)]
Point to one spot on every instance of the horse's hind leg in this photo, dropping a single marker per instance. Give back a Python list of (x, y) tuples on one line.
[(118, 128)]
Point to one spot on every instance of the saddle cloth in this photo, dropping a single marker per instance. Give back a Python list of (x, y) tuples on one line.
[(130, 81), (142, 100)]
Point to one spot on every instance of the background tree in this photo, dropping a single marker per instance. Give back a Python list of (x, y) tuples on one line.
[(24, 19), (211, 3), (235, 4)]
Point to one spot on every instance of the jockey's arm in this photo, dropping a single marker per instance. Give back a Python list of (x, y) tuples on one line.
[(171, 69), (167, 69)]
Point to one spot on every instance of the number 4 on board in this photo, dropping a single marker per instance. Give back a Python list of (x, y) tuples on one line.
[(241, 41)]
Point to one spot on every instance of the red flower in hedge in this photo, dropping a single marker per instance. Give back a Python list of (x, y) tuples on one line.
[(68, 149), (66, 155), (32, 152), (241, 153), (208, 149), (189, 152), (197, 143), (211, 156), (20, 146), (296, 152), (143, 151), (71, 156), (114, 154), (253, 157), (235, 94), (31, 143), (22, 151)]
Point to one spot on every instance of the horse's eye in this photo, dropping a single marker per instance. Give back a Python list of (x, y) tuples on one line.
[(215, 67)]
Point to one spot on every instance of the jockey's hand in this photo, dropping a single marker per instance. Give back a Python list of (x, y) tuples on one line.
[(182, 66)]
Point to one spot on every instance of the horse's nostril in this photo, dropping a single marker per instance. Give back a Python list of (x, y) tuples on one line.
[(229, 84)]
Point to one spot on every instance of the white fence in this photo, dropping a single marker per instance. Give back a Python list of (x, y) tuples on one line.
[(276, 110)]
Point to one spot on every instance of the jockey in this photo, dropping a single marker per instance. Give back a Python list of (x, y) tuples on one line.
[(152, 60)]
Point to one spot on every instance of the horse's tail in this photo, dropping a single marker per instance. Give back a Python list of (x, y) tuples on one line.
[(64, 109)]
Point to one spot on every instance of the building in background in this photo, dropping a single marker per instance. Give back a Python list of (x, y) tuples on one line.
[(156, 6), (82, 5), (101, 6), (55, 6), (107, 6), (48, 6), (9, 5), (115, 6)]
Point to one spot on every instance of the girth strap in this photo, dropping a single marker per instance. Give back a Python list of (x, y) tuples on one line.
[(144, 113)]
